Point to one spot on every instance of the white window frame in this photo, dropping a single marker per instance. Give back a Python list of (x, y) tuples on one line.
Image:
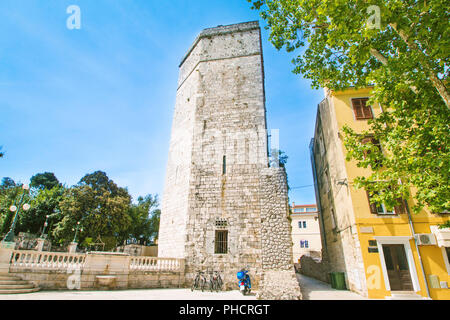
[(409, 256), (385, 212), (446, 259)]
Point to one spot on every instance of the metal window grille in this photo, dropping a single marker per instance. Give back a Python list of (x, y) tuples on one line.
[(221, 242)]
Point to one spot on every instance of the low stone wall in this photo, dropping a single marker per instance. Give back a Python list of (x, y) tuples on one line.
[(93, 270), (62, 280), (314, 268)]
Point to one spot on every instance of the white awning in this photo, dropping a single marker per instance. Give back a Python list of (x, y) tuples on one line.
[(442, 236)]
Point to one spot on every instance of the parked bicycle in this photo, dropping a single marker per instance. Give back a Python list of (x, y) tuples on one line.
[(215, 281), (199, 281)]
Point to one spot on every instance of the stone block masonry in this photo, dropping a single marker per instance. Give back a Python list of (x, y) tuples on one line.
[(216, 190)]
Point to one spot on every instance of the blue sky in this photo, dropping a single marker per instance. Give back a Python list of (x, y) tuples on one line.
[(102, 97)]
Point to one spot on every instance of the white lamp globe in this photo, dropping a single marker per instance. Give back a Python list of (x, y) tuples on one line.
[(26, 207), (13, 208)]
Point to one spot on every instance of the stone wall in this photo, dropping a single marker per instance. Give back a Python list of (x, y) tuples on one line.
[(219, 117), (279, 280), (314, 268)]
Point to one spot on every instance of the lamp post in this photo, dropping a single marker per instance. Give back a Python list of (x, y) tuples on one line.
[(45, 225), (76, 231), (10, 235), (73, 245)]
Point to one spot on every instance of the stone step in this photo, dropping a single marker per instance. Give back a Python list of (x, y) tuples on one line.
[(405, 296), (9, 282), (9, 278), (14, 291), (17, 286)]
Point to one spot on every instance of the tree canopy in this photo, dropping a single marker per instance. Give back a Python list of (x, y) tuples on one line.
[(103, 209), (46, 180), (401, 49)]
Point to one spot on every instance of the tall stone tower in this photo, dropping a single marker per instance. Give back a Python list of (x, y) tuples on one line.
[(221, 197)]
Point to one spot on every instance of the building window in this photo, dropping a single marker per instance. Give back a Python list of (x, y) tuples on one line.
[(380, 208), (302, 243), (447, 250), (221, 242), (311, 209), (361, 109), (376, 143), (300, 224), (224, 165), (304, 224), (306, 244)]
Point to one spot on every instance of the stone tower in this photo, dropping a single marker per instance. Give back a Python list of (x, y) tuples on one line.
[(223, 207)]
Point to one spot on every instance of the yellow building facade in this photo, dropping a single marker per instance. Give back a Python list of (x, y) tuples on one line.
[(384, 255)]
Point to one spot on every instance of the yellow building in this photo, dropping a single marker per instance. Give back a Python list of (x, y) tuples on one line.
[(385, 255)]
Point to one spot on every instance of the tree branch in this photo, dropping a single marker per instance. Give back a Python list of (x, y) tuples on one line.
[(437, 83)]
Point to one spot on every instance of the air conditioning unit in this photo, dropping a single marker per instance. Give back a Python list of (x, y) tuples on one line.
[(424, 239)]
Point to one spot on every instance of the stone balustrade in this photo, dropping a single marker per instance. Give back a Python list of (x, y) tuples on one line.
[(93, 270), (156, 264), (28, 259)]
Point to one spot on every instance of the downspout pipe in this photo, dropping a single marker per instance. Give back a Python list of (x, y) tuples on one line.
[(417, 248)]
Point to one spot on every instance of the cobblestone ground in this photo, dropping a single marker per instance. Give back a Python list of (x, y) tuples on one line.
[(142, 294)]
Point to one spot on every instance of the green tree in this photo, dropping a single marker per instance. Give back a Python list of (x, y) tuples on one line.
[(46, 180), (9, 196), (101, 207), (7, 183), (42, 203), (406, 59), (144, 216)]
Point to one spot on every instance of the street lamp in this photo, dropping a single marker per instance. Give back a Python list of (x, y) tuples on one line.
[(76, 231), (10, 235), (45, 225)]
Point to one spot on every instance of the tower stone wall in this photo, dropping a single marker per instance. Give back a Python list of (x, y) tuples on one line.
[(218, 153)]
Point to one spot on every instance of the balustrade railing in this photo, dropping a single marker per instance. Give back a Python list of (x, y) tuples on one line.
[(46, 260), (156, 264)]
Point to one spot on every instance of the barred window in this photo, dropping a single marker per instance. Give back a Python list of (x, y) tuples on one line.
[(221, 242)]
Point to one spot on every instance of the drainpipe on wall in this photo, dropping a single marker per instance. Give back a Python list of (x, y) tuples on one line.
[(417, 248)]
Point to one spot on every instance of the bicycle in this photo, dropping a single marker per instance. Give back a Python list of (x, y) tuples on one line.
[(199, 281), (215, 281)]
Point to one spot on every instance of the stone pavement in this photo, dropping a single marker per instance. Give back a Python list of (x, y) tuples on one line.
[(313, 289), (136, 294)]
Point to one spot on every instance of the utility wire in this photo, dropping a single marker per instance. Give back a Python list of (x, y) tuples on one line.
[(309, 185)]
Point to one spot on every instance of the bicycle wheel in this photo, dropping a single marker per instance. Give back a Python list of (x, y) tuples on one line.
[(203, 284), (194, 284), (219, 284)]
